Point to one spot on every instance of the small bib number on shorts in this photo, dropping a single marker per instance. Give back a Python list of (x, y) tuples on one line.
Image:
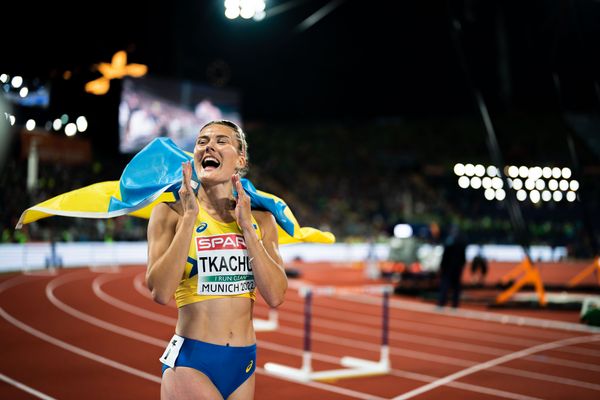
[(172, 351)]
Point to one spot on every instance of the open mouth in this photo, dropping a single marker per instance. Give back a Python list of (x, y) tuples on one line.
[(210, 163)]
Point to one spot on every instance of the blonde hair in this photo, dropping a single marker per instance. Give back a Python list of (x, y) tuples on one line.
[(241, 138)]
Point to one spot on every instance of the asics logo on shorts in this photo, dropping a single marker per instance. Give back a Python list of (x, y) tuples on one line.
[(249, 367)]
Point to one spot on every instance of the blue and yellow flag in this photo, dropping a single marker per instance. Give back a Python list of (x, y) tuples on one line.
[(153, 176)]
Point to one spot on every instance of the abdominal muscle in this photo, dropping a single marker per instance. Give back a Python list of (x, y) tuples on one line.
[(224, 321)]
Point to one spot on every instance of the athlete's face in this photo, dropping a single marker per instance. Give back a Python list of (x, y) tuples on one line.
[(216, 155)]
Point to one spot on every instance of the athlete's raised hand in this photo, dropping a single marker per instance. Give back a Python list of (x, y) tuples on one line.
[(243, 213), (186, 193)]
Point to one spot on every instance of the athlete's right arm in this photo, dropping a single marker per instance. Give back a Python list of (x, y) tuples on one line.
[(169, 236)]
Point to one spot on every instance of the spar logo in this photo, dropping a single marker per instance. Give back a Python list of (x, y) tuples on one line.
[(229, 241)]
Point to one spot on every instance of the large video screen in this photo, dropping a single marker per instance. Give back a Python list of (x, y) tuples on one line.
[(154, 107)]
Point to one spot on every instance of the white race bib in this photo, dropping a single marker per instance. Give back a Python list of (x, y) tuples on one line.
[(223, 266), (172, 351)]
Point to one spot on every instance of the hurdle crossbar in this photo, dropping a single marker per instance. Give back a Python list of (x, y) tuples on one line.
[(265, 325), (353, 367)]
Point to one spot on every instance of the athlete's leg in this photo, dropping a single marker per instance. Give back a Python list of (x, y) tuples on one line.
[(183, 383), (245, 391)]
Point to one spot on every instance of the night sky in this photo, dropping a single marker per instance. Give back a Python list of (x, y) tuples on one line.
[(365, 59)]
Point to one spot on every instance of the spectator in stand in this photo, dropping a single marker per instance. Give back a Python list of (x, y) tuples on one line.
[(479, 268)]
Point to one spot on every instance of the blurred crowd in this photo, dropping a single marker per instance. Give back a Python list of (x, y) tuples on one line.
[(357, 181)]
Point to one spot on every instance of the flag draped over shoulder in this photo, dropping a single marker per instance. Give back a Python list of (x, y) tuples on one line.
[(153, 176)]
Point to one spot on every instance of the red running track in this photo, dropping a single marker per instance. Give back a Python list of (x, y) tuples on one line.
[(95, 334)]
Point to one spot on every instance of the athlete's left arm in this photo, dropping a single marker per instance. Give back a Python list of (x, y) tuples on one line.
[(267, 265)]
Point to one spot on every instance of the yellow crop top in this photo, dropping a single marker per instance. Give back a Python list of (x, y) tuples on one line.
[(218, 264)]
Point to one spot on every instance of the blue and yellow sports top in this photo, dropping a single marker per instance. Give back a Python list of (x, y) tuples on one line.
[(218, 264)]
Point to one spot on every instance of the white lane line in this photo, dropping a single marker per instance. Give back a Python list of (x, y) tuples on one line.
[(161, 343), (410, 353), (497, 361), (25, 388), (55, 283), (78, 350), (97, 288), (336, 360)]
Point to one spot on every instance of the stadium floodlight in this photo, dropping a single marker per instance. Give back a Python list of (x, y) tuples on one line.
[(500, 194), (70, 129), (517, 184), (475, 182), (463, 182), (469, 169), (534, 196), (403, 231), (556, 173), (459, 169), (4, 78), (57, 124), (521, 195), (529, 184), (490, 194), (574, 185), (547, 172), (497, 183), (513, 171), (486, 182), (557, 196), (30, 124), (540, 184), (523, 171), (571, 196), (492, 171), (16, 81), (566, 173), (479, 170), (553, 184), (23, 92), (546, 195), (563, 185), (81, 123)]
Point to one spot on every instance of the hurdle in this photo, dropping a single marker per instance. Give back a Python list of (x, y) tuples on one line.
[(265, 325), (354, 367)]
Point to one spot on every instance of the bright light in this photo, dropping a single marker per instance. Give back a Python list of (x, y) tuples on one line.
[(523, 171), (546, 195), (547, 172), (475, 182), (563, 185), (534, 195), (497, 183), (3, 78), (12, 119), (489, 194), (540, 184), (486, 182), (479, 170), (16, 82), (513, 171), (64, 119), (23, 92), (500, 194), (232, 13), (70, 129), (57, 124), (529, 184), (556, 173), (469, 170), (517, 184), (403, 231), (557, 196), (82, 124), (260, 15), (30, 125), (574, 185), (459, 169), (566, 173), (553, 184), (521, 195), (492, 171), (571, 196), (463, 182)]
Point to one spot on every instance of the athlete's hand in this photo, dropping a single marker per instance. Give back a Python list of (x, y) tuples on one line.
[(243, 213), (186, 193)]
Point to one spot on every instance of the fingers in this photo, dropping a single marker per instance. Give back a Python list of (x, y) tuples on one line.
[(186, 169)]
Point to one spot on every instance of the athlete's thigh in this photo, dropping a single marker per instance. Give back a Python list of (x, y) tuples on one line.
[(183, 383), (245, 391)]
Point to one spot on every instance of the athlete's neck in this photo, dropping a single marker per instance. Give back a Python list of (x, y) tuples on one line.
[(217, 200)]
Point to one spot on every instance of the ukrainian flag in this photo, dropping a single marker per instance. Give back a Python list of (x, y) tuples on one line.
[(153, 176)]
